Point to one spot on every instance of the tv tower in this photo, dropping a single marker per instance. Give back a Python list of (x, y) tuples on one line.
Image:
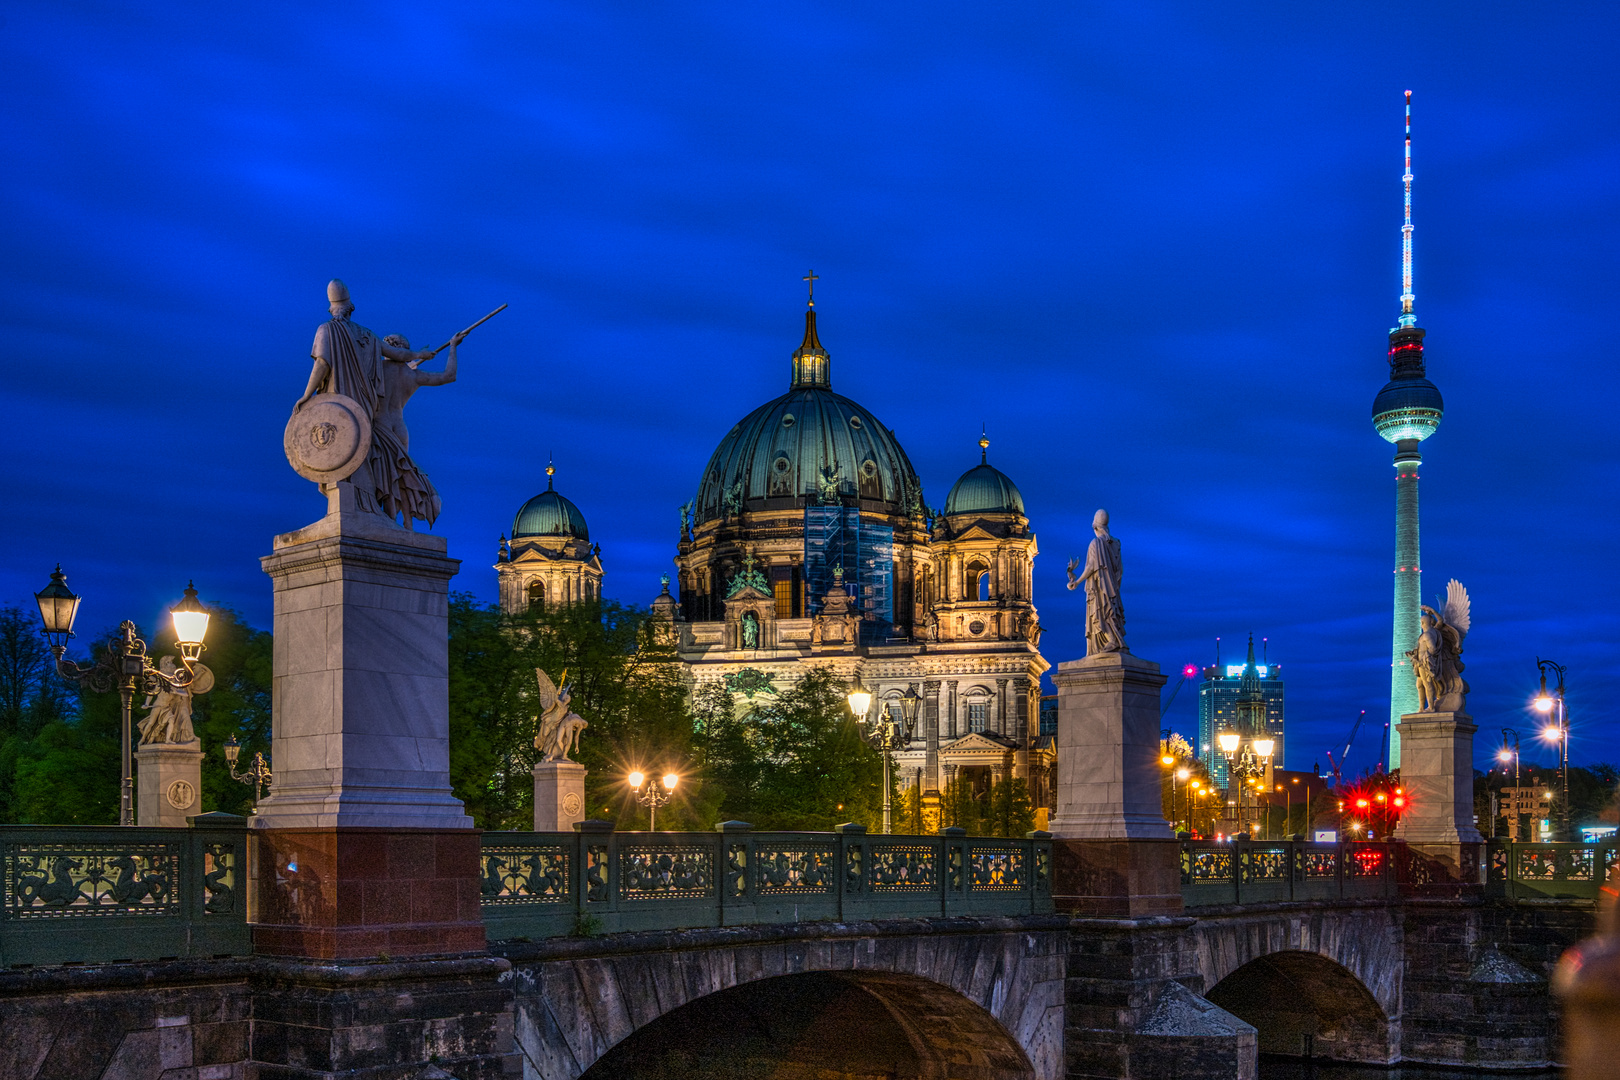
[(1405, 412)]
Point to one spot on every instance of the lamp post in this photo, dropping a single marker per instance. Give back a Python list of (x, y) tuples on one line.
[(1503, 755), (887, 734), (258, 770), (1245, 760), (652, 795), (1558, 732), (124, 665), (1179, 774)]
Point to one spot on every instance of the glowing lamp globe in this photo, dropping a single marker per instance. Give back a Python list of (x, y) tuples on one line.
[(1504, 755), (859, 702), (1229, 741), (1544, 704), (637, 779), (1167, 760), (1264, 747), (190, 623), (670, 780), (1550, 734)]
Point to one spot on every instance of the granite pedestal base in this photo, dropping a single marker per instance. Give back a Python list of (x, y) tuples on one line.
[(365, 893), (1437, 771), (1117, 879), (168, 783), (559, 795)]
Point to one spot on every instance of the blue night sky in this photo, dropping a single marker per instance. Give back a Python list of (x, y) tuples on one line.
[(1154, 247)]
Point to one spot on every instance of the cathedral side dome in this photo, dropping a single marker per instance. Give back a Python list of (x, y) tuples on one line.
[(808, 444), (984, 489), (549, 514)]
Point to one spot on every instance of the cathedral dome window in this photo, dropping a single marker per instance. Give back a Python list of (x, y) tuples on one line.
[(537, 593)]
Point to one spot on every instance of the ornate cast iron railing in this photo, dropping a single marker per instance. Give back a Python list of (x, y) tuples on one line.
[(1271, 871), (78, 894), (538, 885), (1548, 871)]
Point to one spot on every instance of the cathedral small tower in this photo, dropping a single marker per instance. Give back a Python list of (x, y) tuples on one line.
[(980, 587), (550, 559), (1406, 411)]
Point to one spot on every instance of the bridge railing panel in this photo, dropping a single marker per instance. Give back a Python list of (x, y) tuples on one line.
[(1548, 871), (1217, 873), (89, 894), (538, 885)]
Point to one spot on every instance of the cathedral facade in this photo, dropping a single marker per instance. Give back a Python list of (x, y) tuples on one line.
[(809, 544)]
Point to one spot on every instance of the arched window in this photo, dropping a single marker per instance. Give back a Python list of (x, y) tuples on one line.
[(537, 594), (978, 581)]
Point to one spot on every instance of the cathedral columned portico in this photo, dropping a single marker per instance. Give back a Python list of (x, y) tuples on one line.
[(809, 544)]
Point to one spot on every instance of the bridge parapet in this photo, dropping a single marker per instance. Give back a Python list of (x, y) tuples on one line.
[(1517, 871), (1272, 871), (540, 885)]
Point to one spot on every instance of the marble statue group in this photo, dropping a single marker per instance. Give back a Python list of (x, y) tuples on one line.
[(557, 728), (348, 431), (1437, 655), (168, 717)]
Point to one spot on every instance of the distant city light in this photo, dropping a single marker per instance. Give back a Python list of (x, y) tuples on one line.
[(1190, 670)]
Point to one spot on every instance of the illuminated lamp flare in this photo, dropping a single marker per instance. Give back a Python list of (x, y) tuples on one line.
[(637, 779), (1167, 760), (1551, 734), (859, 702), (1504, 754), (1264, 747), (1544, 704), (670, 780), (1229, 741)]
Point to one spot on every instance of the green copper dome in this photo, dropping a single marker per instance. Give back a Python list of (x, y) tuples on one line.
[(984, 489), (549, 514), (808, 444)]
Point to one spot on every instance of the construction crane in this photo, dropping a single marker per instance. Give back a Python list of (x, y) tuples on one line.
[(1336, 766)]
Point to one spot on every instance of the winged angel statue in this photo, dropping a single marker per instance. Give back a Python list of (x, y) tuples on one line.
[(1437, 657), (558, 727)]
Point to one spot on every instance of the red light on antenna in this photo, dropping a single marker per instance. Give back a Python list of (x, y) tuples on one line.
[(1190, 670)]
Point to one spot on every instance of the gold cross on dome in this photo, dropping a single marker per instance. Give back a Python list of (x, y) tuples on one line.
[(812, 278)]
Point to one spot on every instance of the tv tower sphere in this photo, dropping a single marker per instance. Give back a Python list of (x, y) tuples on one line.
[(1409, 406)]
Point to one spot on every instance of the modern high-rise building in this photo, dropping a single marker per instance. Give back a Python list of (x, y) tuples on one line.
[(1219, 701), (1405, 412)]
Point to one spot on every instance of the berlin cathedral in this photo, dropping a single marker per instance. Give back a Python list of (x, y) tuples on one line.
[(809, 544)]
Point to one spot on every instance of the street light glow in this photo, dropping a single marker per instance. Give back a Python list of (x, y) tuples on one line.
[(1229, 741), (670, 780), (1504, 754), (1544, 704), (637, 778), (1550, 734)]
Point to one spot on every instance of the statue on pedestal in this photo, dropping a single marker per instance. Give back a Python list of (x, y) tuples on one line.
[(347, 433), (1105, 614), (1437, 655), (168, 719), (558, 728)]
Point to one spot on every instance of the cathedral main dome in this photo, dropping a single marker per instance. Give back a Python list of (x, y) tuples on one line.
[(810, 444)]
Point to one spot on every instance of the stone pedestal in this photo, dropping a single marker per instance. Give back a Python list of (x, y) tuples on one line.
[(1437, 771), (559, 795), (360, 712), (1445, 852), (1108, 772), (360, 849), (168, 783), (1114, 856)]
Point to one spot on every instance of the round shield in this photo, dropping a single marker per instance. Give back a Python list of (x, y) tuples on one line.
[(328, 438), (202, 678)]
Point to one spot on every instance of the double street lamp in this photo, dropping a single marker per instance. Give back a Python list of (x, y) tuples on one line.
[(887, 734), (1557, 731), (1245, 760), (125, 663), (1506, 755), (258, 770), (652, 795)]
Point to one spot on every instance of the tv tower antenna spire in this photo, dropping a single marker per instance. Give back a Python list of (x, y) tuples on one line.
[(1408, 318)]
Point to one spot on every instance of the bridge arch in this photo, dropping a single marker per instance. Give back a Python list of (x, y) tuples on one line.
[(985, 1005), (1325, 982), (822, 1024)]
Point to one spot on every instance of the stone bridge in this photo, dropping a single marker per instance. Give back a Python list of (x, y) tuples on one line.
[(1444, 982)]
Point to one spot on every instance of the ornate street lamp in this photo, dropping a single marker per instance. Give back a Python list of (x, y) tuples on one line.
[(887, 734), (652, 795), (1248, 764), (125, 663), (1558, 732), (258, 770)]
